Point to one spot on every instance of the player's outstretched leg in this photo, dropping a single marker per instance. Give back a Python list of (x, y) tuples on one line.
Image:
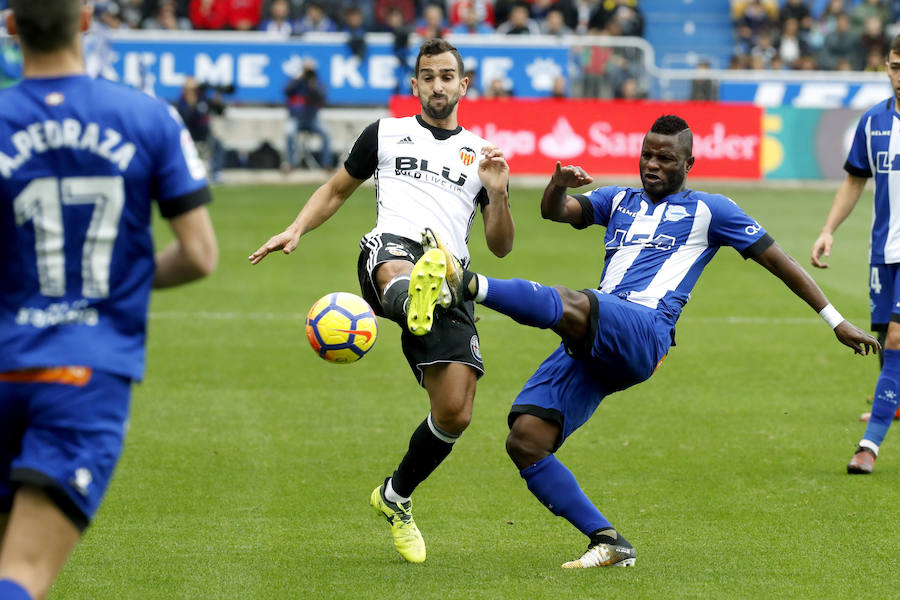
[(453, 284), (407, 538), (425, 283)]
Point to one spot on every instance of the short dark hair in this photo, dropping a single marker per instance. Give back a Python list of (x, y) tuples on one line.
[(895, 45), (437, 46), (674, 125), (48, 25)]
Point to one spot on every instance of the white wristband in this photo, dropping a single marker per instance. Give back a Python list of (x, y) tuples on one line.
[(831, 316)]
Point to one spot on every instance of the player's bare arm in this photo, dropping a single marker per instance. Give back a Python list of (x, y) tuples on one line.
[(499, 229), (324, 202), (844, 200), (783, 266), (556, 204), (193, 253)]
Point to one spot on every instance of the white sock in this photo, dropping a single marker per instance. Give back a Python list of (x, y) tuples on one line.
[(482, 288), (870, 445), (391, 495)]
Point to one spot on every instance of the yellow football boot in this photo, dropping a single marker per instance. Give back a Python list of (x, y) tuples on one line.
[(425, 283), (407, 538)]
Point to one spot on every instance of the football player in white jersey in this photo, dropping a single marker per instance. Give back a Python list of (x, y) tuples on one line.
[(431, 178), (875, 152), (658, 240)]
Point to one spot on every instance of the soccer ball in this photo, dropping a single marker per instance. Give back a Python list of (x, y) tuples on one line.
[(341, 327)]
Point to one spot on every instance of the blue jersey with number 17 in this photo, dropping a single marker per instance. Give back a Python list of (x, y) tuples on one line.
[(81, 161)]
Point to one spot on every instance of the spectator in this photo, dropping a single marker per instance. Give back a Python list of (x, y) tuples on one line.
[(401, 33), (305, 95), (519, 22), (744, 40), (432, 24), (757, 16), (630, 89), (797, 9), (875, 62), (470, 22), (473, 92), (458, 10), (196, 106), (108, 15), (873, 38), (131, 12), (560, 87), (315, 19), (841, 46), (384, 8), (616, 17), (279, 22), (540, 8), (497, 90), (808, 63), (166, 19), (791, 45), (244, 15), (757, 63), (867, 9), (338, 10), (555, 24), (702, 85), (619, 69), (627, 18), (209, 14), (355, 28), (826, 23), (764, 49)]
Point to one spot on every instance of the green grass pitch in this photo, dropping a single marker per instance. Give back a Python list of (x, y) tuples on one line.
[(249, 461)]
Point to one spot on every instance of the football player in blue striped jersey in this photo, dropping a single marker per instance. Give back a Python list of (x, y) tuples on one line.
[(658, 240), (875, 152), (81, 162)]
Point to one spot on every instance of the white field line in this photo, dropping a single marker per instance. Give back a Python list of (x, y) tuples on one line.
[(484, 316)]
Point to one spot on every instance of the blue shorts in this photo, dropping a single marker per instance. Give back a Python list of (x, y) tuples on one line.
[(62, 433), (884, 295), (626, 344)]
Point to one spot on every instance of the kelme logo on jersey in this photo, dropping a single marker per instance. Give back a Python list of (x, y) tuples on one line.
[(467, 155), (419, 168)]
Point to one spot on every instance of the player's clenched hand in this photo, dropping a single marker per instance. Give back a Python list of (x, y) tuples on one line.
[(820, 247), (852, 336), (570, 176), (493, 169), (286, 241)]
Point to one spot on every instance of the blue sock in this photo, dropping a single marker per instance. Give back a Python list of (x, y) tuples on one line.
[(10, 590), (886, 397), (527, 302), (557, 489)]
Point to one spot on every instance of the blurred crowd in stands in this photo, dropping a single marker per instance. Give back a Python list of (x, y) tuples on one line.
[(427, 18), (841, 35)]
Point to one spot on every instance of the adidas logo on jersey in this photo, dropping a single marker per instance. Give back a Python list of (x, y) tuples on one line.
[(406, 140)]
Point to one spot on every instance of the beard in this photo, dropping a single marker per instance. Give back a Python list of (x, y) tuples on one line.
[(660, 189), (442, 113)]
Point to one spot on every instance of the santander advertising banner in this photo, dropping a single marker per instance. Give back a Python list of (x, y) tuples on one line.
[(604, 136)]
